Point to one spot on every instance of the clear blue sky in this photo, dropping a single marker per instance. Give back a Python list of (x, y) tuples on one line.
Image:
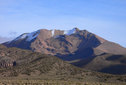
[(106, 18)]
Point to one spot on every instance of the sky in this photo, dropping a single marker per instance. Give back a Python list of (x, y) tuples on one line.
[(106, 18)]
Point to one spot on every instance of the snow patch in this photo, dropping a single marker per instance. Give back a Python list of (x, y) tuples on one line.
[(23, 36), (32, 35), (53, 32), (69, 32)]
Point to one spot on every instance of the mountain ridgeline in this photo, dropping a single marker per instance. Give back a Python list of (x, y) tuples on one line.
[(78, 47)]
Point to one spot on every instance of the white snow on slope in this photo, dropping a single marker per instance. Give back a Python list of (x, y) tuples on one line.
[(28, 36), (21, 37), (32, 35), (69, 32), (66, 32), (53, 32)]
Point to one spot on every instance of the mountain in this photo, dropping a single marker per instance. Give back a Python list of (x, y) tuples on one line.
[(78, 47)]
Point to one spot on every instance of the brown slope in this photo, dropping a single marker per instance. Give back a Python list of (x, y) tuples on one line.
[(108, 63), (110, 47), (103, 62)]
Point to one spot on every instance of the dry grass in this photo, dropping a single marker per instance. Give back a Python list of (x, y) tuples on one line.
[(52, 82)]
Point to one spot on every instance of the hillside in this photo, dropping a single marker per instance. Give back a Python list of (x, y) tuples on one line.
[(17, 62), (32, 65)]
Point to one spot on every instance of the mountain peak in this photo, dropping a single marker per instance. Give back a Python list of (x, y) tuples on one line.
[(56, 32), (43, 34)]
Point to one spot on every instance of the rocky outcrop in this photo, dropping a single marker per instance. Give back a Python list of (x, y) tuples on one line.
[(6, 62)]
